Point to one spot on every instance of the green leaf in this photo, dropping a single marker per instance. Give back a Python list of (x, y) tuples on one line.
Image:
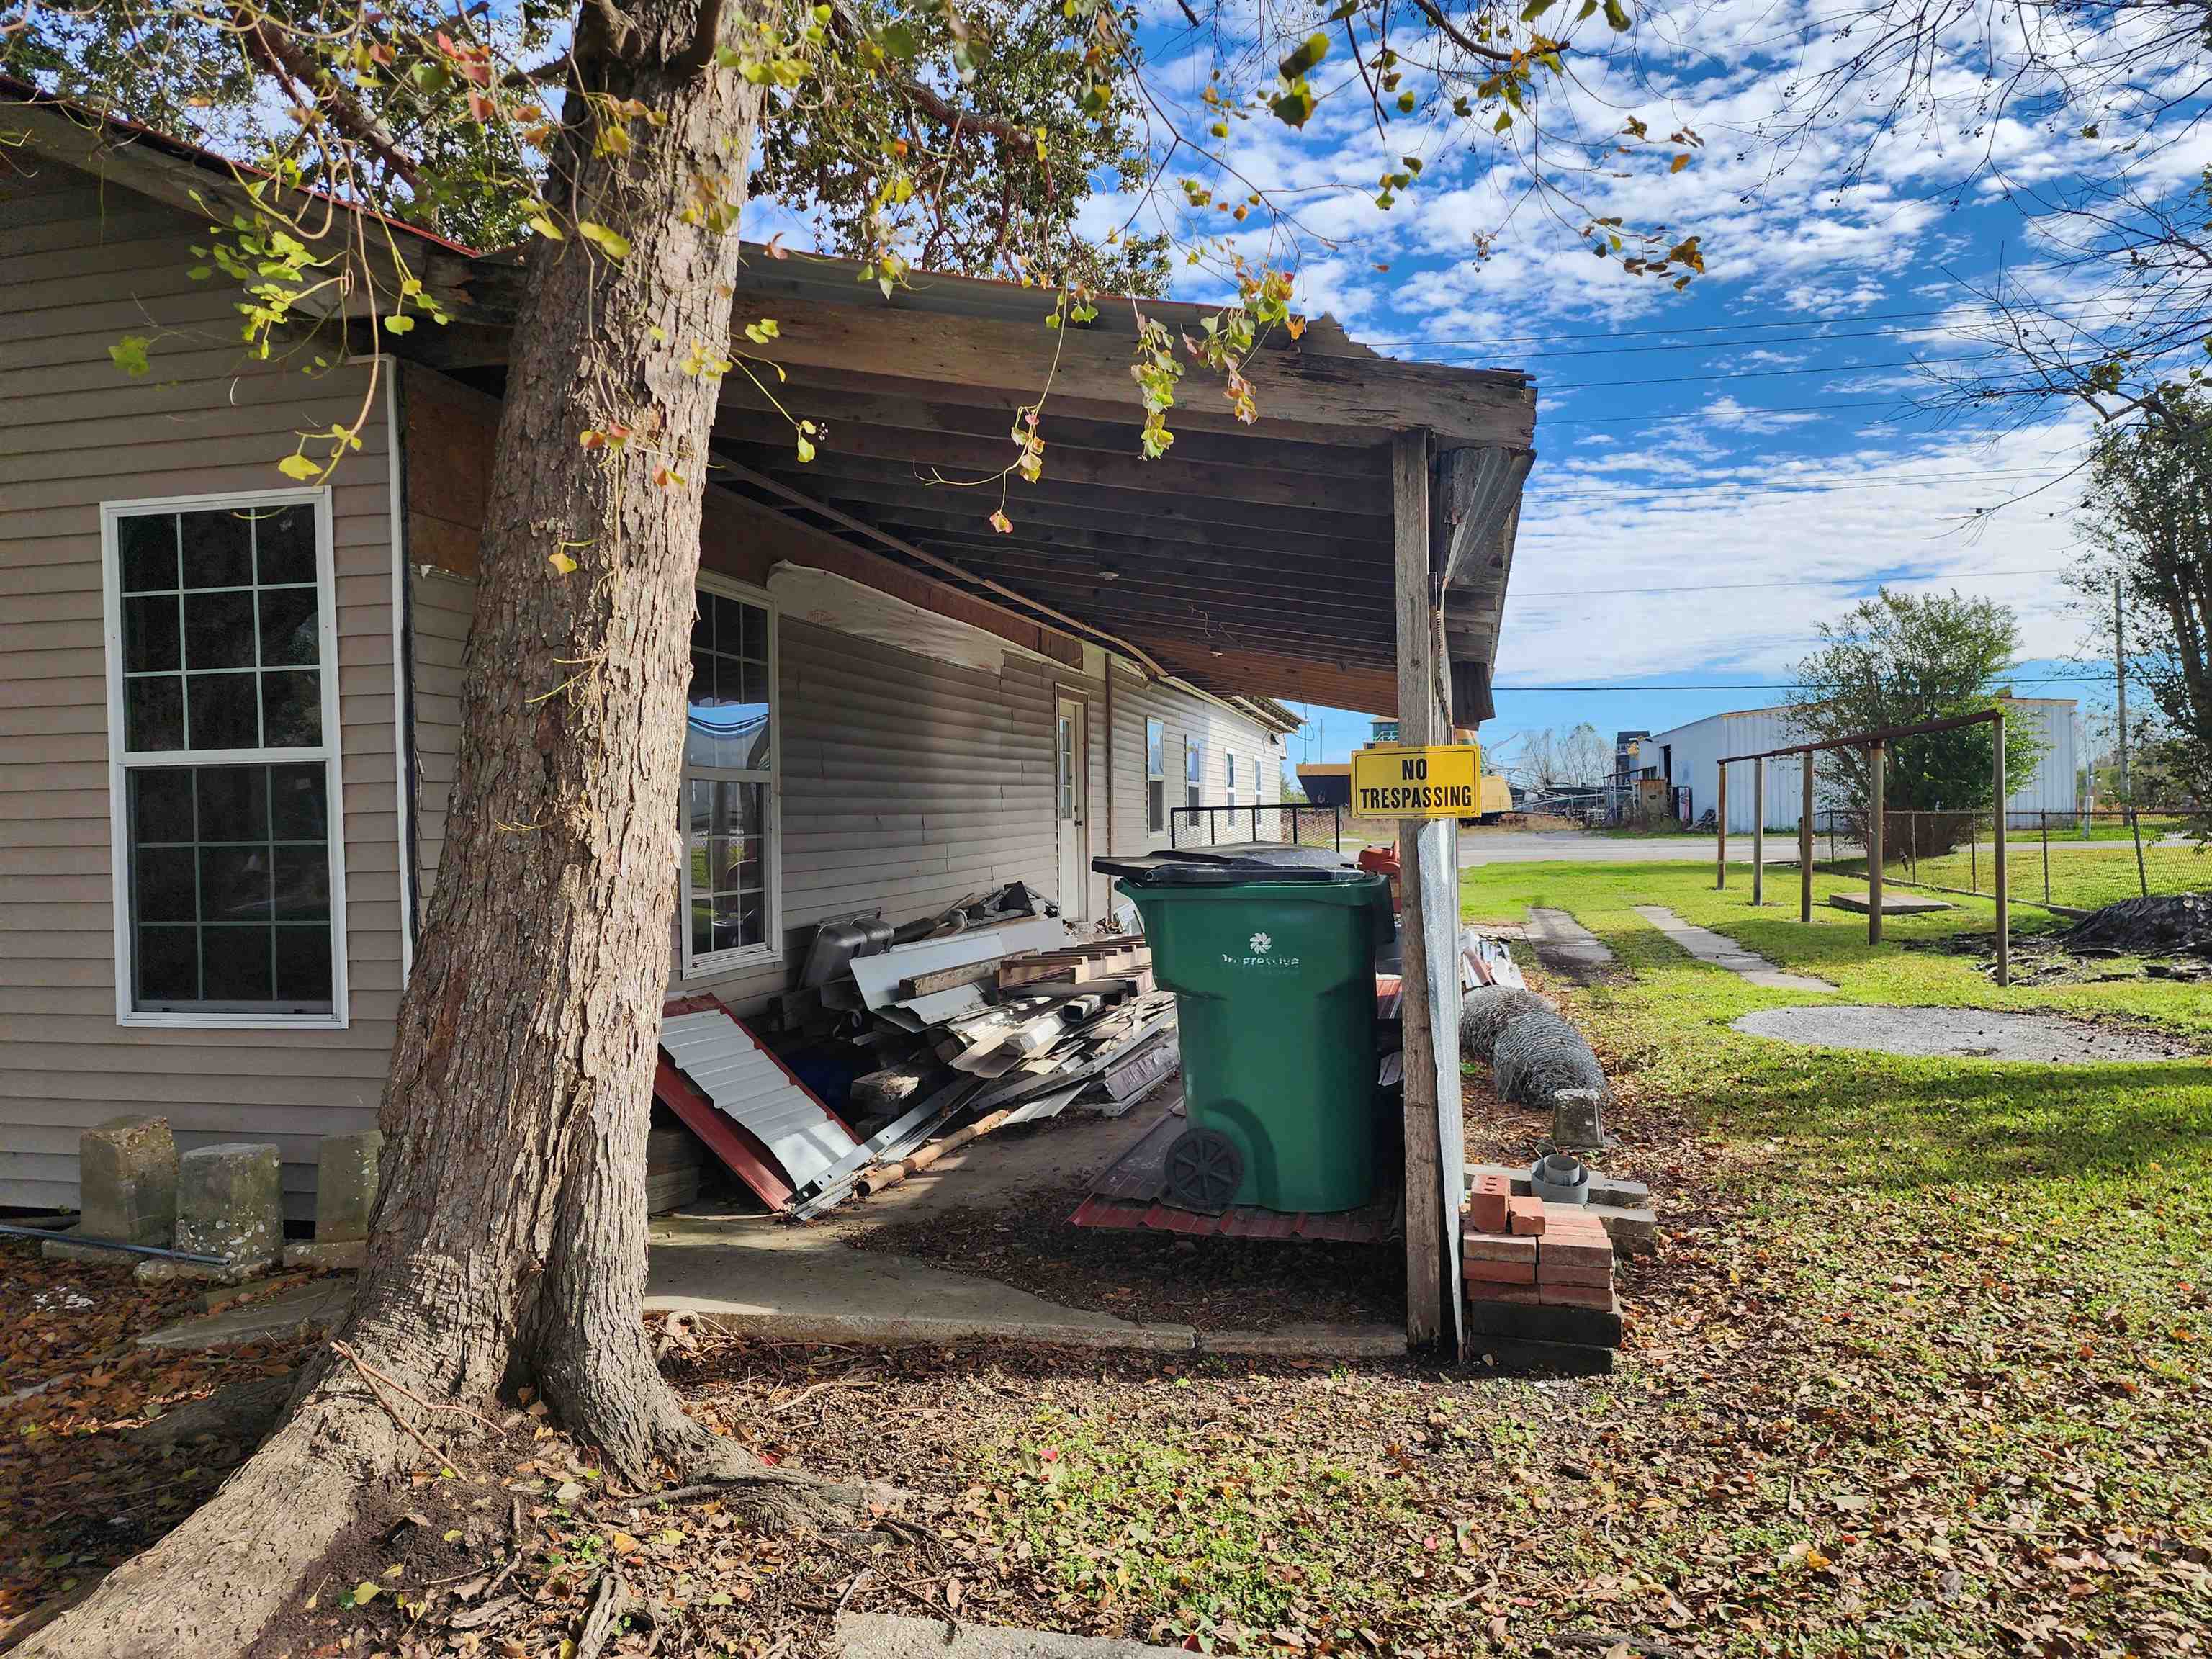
[(1314, 48), (1536, 9), (367, 1592), (129, 354), (399, 322), (1616, 14), (299, 466), (1294, 108), (612, 243), (561, 563)]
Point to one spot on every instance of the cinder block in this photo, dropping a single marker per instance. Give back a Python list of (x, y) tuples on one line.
[(1497, 1247), (1587, 1326), (127, 1180), (230, 1203), (345, 1187), (1525, 1216), (1553, 1294), (1487, 1201), (1578, 1119)]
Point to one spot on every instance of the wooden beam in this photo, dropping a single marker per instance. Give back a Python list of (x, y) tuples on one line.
[(1720, 821), (908, 341), (899, 408), (1805, 844), (986, 492), (1875, 758), (978, 455), (2004, 896), (1758, 833), (1430, 937)]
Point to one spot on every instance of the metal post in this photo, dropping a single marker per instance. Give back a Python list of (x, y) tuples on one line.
[(1720, 817), (1997, 870), (1873, 843), (1759, 832), (1171, 828), (1805, 844), (2044, 818), (1973, 854), (2135, 827), (1336, 824)]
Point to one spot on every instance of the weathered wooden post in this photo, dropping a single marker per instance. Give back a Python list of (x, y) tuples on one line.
[(1805, 844), (2004, 897), (1428, 907), (1720, 847), (1873, 843), (1759, 831)]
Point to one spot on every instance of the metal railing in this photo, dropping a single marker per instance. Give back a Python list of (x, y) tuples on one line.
[(1286, 823), (2063, 861)]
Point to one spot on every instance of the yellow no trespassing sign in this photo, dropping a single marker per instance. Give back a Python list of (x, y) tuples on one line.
[(1442, 783)]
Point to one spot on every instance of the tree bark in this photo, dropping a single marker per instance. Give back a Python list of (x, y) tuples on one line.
[(508, 1243)]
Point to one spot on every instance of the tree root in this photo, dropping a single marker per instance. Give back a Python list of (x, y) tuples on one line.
[(245, 1412)]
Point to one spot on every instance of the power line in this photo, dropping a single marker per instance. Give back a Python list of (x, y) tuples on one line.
[(2054, 679), (1826, 581)]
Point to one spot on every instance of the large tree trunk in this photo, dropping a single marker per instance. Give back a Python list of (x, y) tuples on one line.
[(509, 1240)]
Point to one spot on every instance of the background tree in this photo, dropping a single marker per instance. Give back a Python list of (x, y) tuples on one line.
[(1896, 660), (2147, 517), (508, 1241)]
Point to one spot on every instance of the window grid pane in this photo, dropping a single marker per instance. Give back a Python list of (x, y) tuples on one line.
[(212, 601), (228, 867), (231, 905), (730, 728)]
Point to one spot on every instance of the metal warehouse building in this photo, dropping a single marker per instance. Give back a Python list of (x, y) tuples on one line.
[(1688, 756)]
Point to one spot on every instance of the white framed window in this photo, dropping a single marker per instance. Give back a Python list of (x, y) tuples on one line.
[(1259, 794), (1156, 778), (225, 793), (1194, 772), (731, 877), (1229, 783)]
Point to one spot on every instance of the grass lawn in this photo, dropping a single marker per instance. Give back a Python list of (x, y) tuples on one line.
[(1921, 1368)]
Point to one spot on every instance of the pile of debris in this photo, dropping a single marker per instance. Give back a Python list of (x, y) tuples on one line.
[(2163, 925), (994, 1013)]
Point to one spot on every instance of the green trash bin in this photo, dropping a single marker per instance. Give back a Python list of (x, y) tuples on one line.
[(1273, 970)]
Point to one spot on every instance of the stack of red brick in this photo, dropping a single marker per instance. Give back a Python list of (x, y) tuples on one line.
[(1521, 1249)]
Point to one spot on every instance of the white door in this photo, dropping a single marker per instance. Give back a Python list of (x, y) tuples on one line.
[(1071, 780)]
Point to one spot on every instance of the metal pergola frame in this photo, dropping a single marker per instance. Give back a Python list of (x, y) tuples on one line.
[(1876, 745)]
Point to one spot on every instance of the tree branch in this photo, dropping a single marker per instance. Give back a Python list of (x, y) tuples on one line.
[(280, 56), (1459, 38), (705, 37)]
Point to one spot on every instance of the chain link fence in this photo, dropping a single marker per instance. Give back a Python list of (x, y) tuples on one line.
[(2078, 861)]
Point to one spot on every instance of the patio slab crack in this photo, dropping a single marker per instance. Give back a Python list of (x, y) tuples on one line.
[(1722, 952)]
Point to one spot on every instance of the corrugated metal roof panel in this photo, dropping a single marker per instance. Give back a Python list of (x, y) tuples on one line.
[(743, 1080)]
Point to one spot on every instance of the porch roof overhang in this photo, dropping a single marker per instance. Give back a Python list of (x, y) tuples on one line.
[(1252, 559)]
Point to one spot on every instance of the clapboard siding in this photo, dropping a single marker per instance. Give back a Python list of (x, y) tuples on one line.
[(75, 273), (1185, 717)]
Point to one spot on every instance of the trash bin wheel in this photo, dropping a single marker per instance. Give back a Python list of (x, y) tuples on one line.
[(1204, 1170)]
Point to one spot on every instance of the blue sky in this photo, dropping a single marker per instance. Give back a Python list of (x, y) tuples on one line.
[(1720, 469)]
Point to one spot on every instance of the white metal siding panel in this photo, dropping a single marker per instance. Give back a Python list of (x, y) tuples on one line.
[(746, 1084), (77, 273), (1184, 716)]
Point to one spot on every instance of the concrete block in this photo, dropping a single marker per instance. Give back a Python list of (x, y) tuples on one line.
[(345, 1186), (346, 1254), (127, 1180), (1578, 1119), (1525, 1216), (1894, 903), (230, 1203), (1597, 1327), (1603, 1189), (1486, 1201), (1512, 1353)]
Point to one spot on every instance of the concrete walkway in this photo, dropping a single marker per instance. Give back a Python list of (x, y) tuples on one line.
[(888, 1636), (1563, 946), (1722, 952), (759, 1276)]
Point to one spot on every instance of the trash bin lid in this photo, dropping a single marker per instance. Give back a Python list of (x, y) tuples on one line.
[(1195, 872)]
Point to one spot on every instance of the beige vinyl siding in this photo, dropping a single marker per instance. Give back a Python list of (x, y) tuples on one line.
[(77, 273), (1186, 716)]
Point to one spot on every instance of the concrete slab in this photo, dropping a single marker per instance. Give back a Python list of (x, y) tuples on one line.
[(1892, 903), (890, 1636), (1722, 952), (761, 1277), (316, 1306), (1309, 1342), (1567, 948)]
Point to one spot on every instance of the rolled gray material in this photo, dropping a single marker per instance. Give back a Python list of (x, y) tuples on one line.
[(1484, 1012), (1539, 1054)]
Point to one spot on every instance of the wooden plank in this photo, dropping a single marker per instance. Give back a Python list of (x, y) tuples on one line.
[(947, 979), (1805, 843), (1431, 1275)]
